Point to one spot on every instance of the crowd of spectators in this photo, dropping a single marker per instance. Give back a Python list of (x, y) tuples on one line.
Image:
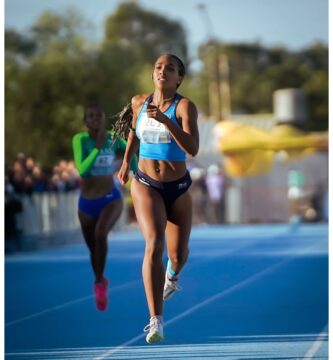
[(26, 176)]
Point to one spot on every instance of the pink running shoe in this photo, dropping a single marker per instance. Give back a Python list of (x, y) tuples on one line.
[(101, 294)]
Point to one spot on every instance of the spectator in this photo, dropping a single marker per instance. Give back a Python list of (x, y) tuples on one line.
[(16, 176), (215, 187), (28, 184), (39, 181), (29, 164), (199, 196), (13, 206)]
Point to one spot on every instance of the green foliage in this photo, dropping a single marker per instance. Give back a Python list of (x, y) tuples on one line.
[(51, 26), (17, 43), (316, 88), (146, 33)]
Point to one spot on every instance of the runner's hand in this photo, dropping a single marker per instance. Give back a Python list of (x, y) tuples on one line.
[(154, 112), (123, 173)]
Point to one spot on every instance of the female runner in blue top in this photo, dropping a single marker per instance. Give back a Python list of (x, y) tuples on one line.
[(100, 202), (164, 128)]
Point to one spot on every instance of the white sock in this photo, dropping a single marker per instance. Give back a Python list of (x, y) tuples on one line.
[(159, 317)]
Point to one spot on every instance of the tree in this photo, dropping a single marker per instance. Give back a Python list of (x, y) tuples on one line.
[(44, 95), (146, 33), (18, 44)]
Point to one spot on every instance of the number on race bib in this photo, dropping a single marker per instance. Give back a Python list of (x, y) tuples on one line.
[(152, 131), (104, 161)]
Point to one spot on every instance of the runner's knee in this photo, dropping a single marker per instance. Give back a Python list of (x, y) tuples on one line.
[(178, 259), (154, 250), (101, 234)]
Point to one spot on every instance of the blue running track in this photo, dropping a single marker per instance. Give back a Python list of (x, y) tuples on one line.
[(249, 292)]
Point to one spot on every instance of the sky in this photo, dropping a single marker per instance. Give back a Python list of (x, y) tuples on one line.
[(292, 23)]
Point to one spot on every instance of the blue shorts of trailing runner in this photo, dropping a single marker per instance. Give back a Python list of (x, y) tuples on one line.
[(93, 207)]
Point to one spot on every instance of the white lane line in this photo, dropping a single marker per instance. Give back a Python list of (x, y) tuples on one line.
[(69, 303), (248, 347), (71, 353), (30, 258), (317, 344), (211, 299)]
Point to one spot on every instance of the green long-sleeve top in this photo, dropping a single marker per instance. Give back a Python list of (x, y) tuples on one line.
[(91, 161)]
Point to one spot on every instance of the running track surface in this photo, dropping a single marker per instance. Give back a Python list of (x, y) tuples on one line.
[(249, 292)]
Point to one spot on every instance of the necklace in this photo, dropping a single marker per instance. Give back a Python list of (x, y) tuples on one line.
[(164, 101)]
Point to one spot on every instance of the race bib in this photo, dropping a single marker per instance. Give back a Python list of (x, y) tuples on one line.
[(104, 161), (152, 131)]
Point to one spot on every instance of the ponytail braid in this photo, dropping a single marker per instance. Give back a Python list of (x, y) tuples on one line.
[(123, 123)]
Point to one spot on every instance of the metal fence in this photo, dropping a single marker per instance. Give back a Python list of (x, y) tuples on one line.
[(265, 198), (46, 213)]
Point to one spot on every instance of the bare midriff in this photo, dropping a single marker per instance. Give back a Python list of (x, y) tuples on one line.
[(162, 170), (96, 186)]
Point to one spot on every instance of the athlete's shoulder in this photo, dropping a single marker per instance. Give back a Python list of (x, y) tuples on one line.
[(185, 103), (138, 100), (81, 135)]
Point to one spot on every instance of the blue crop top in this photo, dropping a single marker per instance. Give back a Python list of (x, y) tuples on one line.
[(156, 142)]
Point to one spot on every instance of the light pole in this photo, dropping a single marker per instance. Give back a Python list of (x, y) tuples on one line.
[(208, 24), (218, 70)]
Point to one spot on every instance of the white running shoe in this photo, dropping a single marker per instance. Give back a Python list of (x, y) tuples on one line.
[(170, 287), (155, 330)]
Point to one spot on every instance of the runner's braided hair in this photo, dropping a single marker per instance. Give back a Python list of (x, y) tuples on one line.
[(123, 123)]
